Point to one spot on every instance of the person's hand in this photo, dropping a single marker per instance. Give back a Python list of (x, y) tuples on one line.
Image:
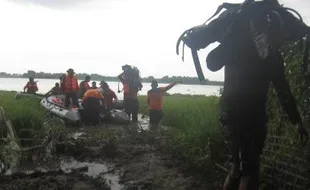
[(302, 134)]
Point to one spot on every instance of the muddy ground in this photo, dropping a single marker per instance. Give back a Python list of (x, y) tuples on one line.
[(105, 157)]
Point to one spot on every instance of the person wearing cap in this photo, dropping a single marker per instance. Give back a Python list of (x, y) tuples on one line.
[(84, 86), (92, 103), (110, 96), (31, 86), (155, 102), (93, 85), (70, 87)]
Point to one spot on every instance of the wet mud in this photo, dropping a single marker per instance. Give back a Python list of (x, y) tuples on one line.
[(102, 157)]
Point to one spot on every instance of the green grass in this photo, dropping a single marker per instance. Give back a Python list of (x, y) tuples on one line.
[(25, 113), (193, 123)]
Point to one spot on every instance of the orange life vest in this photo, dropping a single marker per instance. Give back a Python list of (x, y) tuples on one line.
[(31, 87), (94, 93), (70, 84), (155, 98)]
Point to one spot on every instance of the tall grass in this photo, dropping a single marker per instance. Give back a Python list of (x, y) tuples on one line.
[(25, 113), (193, 122)]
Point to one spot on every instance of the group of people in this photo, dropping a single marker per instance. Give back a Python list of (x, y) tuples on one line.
[(96, 100)]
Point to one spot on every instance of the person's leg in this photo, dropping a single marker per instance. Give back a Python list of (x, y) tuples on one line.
[(127, 107), (152, 120), (74, 99), (233, 141), (86, 116), (67, 100), (252, 144), (135, 110)]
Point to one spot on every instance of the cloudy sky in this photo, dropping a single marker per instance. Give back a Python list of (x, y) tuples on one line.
[(99, 36)]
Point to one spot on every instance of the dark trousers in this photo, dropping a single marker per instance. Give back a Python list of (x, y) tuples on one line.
[(155, 116), (91, 111), (73, 97), (248, 139), (132, 108)]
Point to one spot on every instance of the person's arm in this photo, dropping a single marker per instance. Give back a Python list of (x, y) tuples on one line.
[(121, 77), (25, 87), (282, 88), (114, 96), (36, 87), (148, 99), (77, 84), (170, 86)]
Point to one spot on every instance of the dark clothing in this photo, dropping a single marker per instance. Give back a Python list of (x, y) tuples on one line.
[(84, 86), (74, 99), (155, 116), (246, 86), (91, 111), (131, 108), (243, 107), (56, 90)]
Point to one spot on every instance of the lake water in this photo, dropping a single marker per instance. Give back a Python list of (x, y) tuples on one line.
[(44, 85)]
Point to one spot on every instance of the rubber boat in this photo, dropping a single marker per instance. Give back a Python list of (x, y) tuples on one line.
[(55, 104)]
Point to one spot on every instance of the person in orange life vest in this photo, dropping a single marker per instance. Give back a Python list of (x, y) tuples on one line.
[(70, 87), (92, 102), (155, 101), (93, 85), (31, 86), (130, 93), (110, 96), (84, 86)]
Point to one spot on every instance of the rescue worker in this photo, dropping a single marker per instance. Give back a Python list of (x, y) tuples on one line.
[(93, 85), (31, 86), (92, 103), (130, 93), (84, 86), (70, 87), (155, 102), (110, 96), (55, 90)]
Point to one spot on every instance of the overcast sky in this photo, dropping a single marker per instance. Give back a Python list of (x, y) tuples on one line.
[(99, 36)]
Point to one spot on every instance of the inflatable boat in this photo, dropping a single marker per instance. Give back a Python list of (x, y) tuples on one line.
[(55, 104)]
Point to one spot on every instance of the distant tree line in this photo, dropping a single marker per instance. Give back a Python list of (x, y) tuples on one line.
[(96, 77)]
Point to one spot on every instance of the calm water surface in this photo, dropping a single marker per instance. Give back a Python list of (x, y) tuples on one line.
[(44, 85)]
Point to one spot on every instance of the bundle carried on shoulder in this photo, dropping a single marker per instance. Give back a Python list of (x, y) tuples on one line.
[(132, 74), (257, 28)]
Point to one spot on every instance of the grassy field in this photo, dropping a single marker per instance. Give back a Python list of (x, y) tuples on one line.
[(25, 113)]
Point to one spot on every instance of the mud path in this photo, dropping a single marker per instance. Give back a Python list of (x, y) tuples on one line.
[(104, 157)]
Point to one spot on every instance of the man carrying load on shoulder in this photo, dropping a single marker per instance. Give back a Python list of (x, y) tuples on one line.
[(155, 102), (92, 103), (131, 81)]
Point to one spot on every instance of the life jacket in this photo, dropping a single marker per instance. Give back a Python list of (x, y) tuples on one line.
[(155, 98), (93, 93), (31, 87), (70, 84)]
